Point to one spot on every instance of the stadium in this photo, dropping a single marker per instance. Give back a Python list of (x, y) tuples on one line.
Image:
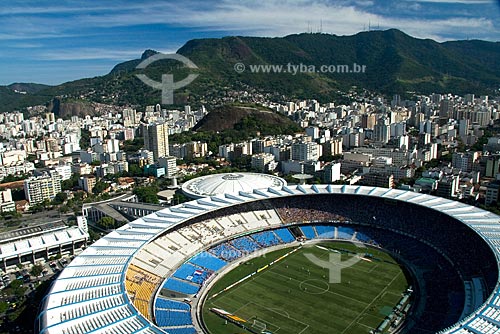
[(162, 273)]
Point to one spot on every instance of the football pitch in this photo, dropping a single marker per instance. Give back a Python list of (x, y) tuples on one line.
[(295, 296)]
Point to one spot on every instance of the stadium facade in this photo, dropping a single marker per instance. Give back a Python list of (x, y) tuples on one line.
[(114, 285)]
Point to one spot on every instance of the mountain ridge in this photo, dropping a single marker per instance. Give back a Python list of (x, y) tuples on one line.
[(395, 63)]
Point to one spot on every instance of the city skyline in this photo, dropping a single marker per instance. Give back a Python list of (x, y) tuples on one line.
[(54, 43)]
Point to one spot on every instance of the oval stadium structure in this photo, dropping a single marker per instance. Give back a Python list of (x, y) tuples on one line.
[(219, 184), (117, 285)]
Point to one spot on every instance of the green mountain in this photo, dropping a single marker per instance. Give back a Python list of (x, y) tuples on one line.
[(394, 62)]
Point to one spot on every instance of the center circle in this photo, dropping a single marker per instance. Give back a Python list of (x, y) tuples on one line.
[(308, 287)]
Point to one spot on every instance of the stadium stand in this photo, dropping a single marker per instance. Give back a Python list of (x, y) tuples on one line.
[(308, 232), (168, 304), (140, 286), (191, 273), (208, 261), (345, 233), (181, 286), (285, 235), (226, 251), (325, 231), (245, 244), (154, 246)]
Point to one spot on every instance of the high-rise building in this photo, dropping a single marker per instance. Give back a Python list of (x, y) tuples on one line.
[(170, 165), (333, 146), (448, 186), (464, 161), (331, 172), (263, 162), (492, 165), (492, 190), (368, 121), (38, 189), (156, 139), (87, 183), (382, 131), (305, 151), (445, 111)]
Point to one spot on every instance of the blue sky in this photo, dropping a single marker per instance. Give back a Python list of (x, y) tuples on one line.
[(56, 41)]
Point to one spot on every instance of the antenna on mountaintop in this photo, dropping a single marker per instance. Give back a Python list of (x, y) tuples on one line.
[(321, 26)]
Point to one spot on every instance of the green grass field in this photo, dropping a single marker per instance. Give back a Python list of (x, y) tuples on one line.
[(294, 295)]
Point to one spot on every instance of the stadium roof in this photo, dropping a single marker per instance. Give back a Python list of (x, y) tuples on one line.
[(226, 183), (90, 296)]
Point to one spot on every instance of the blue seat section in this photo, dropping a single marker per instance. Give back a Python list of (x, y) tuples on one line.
[(285, 235), (325, 231), (266, 238), (345, 233), (182, 330), (207, 260), (171, 304), (181, 286), (362, 237), (308, 232), (226, 252), (166, 318), (191, 273), (245, 244)]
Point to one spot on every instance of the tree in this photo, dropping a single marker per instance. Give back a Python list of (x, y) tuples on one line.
[(84, 139), (64, 209), (106, 223), (179, 198), (36, 270), (147, 194), (4, 306), (70, 183), (60, 198), (99, 187)]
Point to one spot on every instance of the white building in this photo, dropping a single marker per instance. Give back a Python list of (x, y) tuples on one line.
[(306, 151), (331, 172), (38, 189), (64, 172), (170, 165), (263, 162)]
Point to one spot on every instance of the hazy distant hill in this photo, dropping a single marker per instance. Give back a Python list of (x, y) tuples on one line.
[(395, 63), (29, 88)]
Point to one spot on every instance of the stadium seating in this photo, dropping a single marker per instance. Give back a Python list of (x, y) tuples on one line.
[(180, 286), (166, 318), (181, 330), (325, 231), (308, 232), (226, 252), (245, 244), (207, 260), (266, 238), (163, 303), (345, 233), (285, 235), (362, 237), (192, 273)]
